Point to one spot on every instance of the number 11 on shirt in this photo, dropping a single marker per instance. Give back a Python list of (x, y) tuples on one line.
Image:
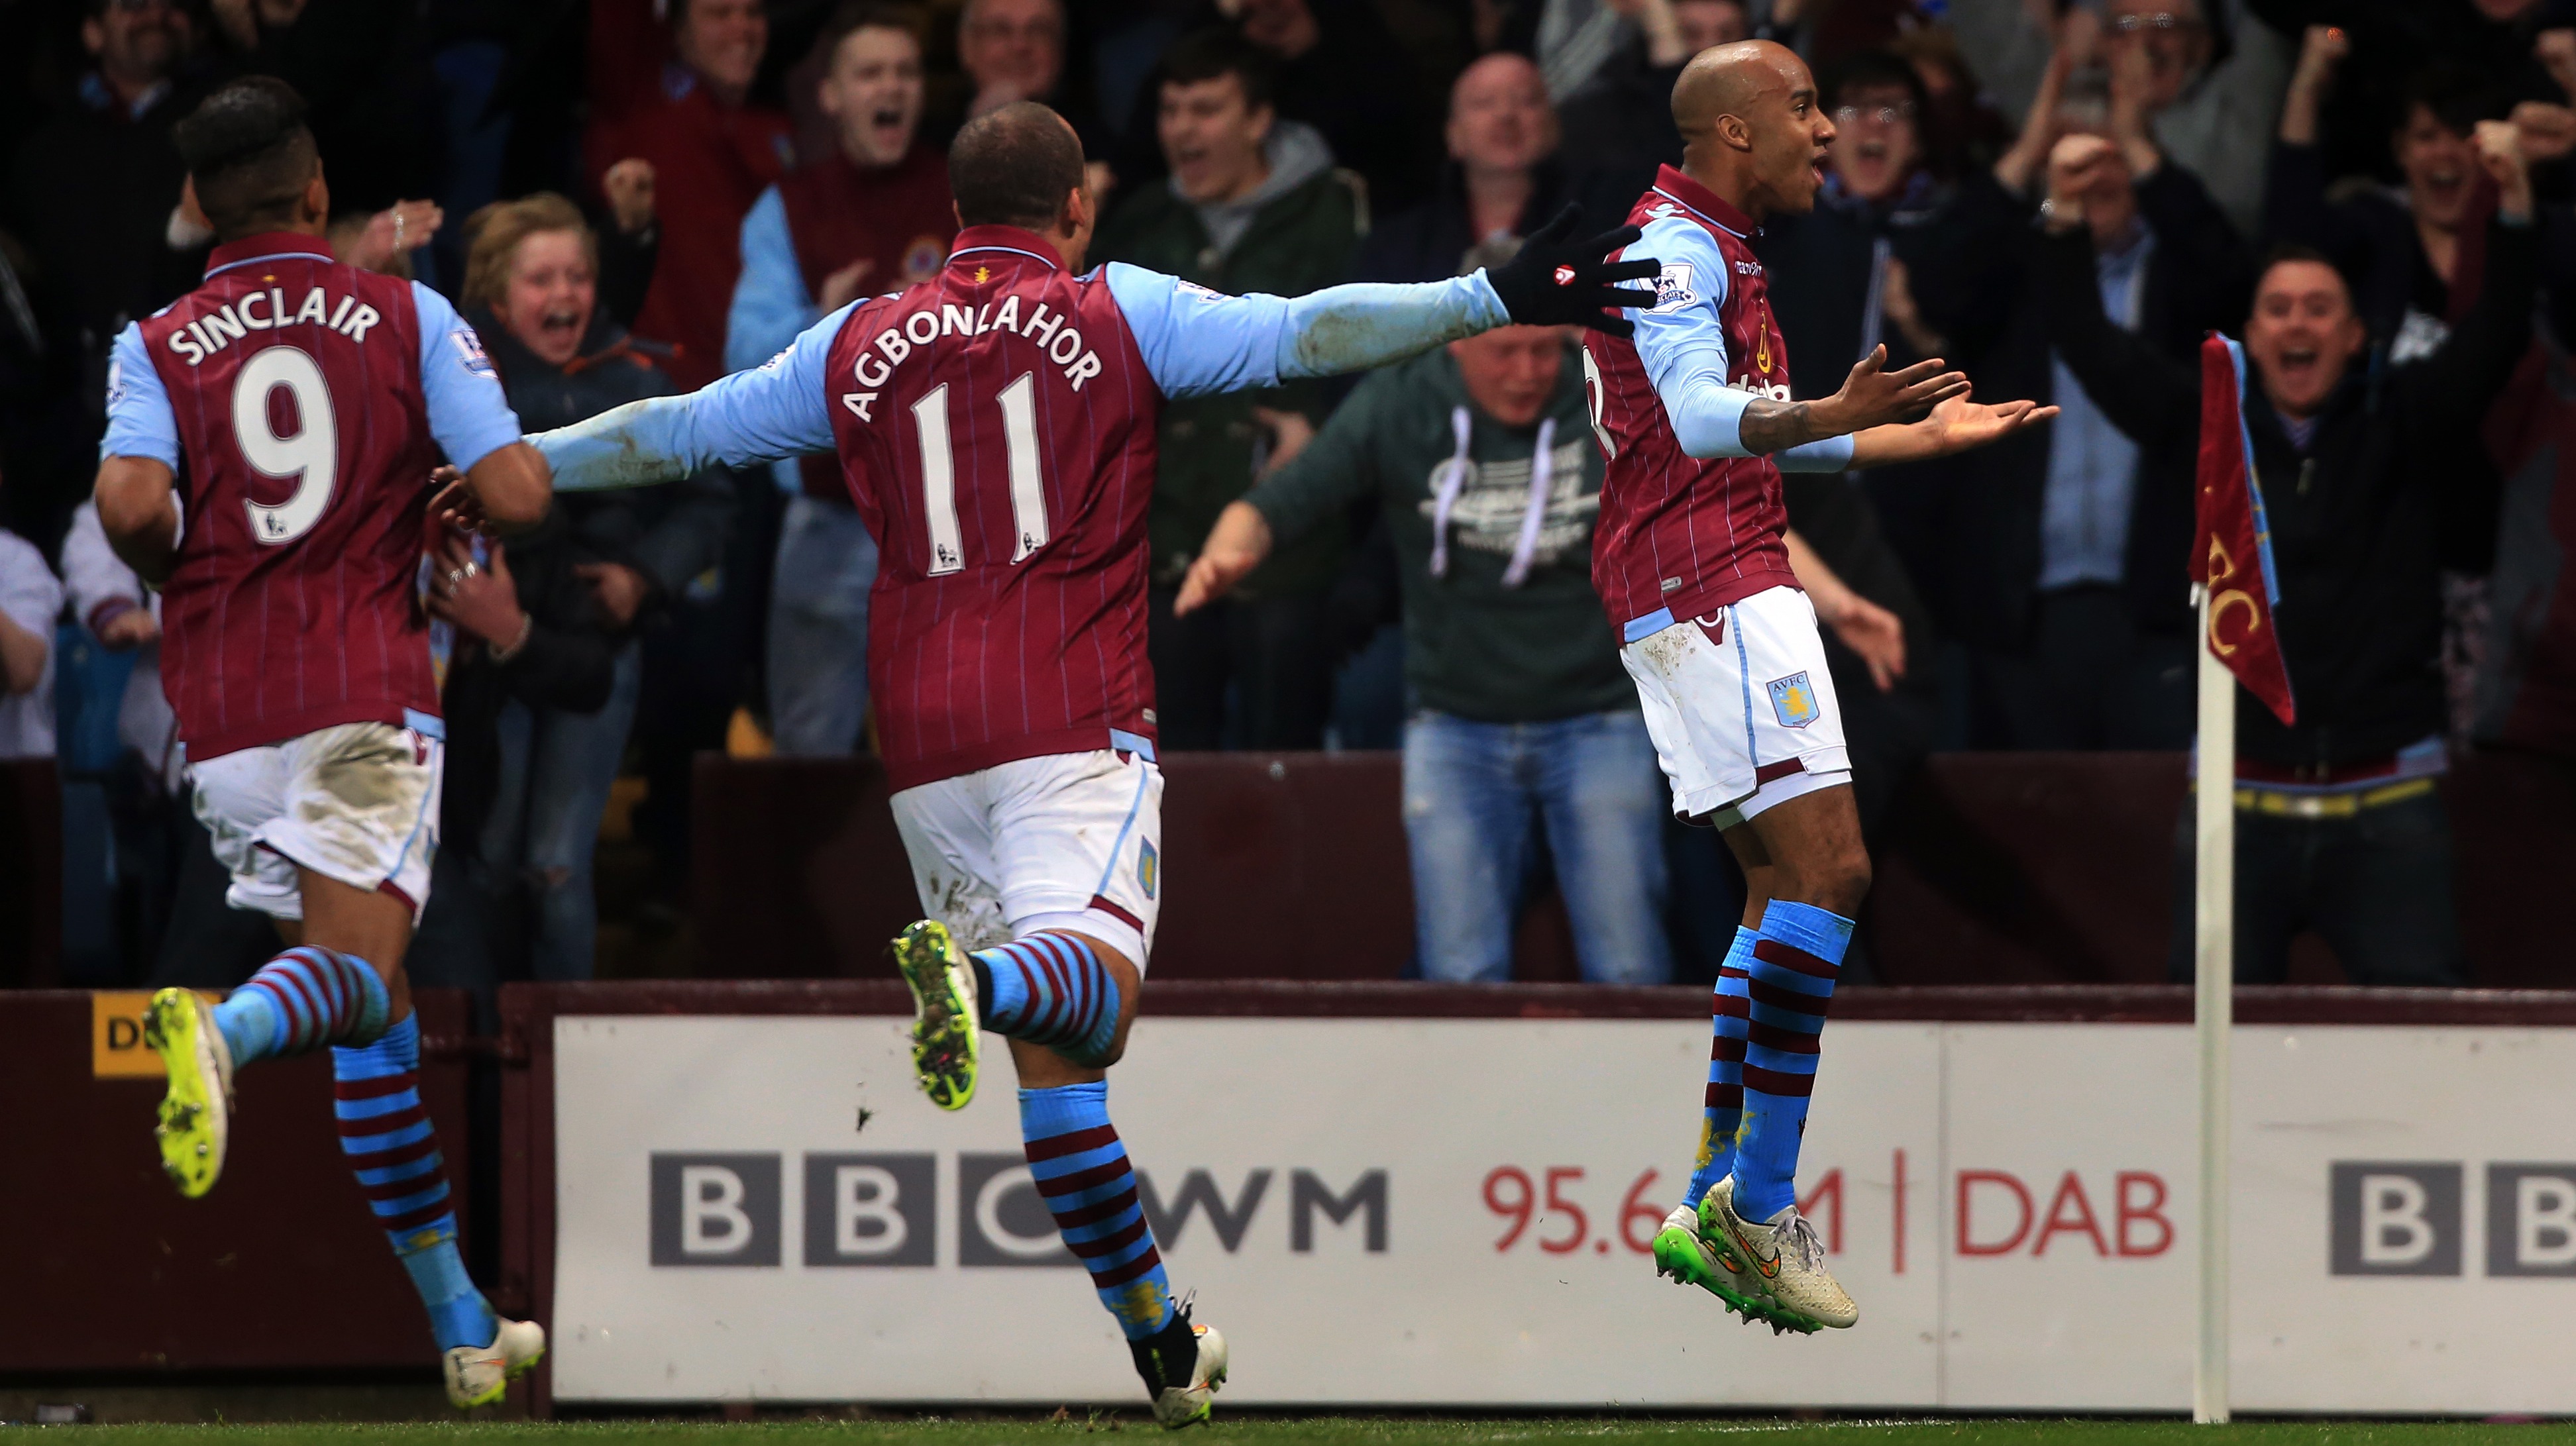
[(939, 473)]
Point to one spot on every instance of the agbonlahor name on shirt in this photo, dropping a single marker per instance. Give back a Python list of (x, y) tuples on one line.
[(1062, 344)]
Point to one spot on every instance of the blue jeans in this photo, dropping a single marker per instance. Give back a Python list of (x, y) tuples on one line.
[(818, 630), (1472, 792), (555, 771)]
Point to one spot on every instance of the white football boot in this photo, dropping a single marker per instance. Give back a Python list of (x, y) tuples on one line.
[(1179, 1402), (1781, 1260), (481, 1375)]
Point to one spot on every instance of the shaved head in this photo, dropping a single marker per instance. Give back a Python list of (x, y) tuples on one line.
[(1752, 129), (1732, 80)]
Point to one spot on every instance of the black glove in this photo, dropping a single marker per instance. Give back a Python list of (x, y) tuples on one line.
[(1559, 281)]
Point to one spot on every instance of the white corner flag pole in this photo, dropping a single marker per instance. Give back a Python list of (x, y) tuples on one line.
[(2213, 1007)]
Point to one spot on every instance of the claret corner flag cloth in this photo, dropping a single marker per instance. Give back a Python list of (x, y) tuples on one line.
[(2232, 545)]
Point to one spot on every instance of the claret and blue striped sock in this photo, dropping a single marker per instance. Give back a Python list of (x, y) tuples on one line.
[(1050, 989), (1081, 1169), (301, 1000), (391, 1144), (1796, 955), (1723, 1108)]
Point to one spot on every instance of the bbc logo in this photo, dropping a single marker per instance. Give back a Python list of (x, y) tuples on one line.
[(2406, 1218), (884, 1209), (859, 1209)]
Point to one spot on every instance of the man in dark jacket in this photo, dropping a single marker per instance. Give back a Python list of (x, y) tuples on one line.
[(2339, 828), (91, 194), (1504, 176), (1622, 119), (2058, 551), (1253, 204), (1482, 456), (1840, 274)]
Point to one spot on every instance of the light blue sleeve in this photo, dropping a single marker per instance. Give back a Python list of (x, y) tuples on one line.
[(1682, 341), (770, 302), (139, 420), (777, 409), (469, 417), (1197, 342), (1829, 454)]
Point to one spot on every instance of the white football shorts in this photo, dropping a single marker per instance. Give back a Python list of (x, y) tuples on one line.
[(357, 803), (1740, 705), (1067, 841)]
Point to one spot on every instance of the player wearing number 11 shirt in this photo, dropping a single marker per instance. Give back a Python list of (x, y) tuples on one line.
[(268, 454), (995, 425)]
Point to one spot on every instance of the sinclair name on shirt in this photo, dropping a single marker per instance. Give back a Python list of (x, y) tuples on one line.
[(265, 310), (1062, 344)]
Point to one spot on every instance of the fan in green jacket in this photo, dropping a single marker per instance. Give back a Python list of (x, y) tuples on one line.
[(1483, 458), (1253, 203)]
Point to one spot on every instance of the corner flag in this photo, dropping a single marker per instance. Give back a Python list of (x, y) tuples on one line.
[(2232, 543)]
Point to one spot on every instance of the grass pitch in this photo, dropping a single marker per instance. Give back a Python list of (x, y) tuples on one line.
[(1325, 1431)]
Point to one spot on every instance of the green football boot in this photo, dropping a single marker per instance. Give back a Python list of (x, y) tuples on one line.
[(946, 1040), (195, 1119)]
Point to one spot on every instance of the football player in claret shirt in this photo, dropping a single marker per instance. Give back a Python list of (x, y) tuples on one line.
[(1694, 413), (297, 406), (995, 425)]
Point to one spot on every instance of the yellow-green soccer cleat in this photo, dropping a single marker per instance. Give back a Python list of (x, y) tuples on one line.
[(481, 1375), (1691, 1260), (195, 1119), (1779, 1260), (946, 1042)]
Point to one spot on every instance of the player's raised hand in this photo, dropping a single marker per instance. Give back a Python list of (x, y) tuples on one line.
[(1873, 396), (1556, 280), (1960, 423), (1235, 546)]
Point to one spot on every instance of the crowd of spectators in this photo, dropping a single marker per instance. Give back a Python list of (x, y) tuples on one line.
[(2061, 197)]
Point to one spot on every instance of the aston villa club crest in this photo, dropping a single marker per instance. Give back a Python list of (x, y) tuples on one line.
[(1145, 868), (1793, 698)]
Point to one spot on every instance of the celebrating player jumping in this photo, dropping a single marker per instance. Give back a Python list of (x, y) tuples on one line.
[(301, 404), (1694, 413), (996, 427)]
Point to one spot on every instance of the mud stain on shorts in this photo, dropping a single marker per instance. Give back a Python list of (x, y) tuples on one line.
[(1667, 650)]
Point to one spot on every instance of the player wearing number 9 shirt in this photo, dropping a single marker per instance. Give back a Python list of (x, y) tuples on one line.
[(995, 425), (268, 454)]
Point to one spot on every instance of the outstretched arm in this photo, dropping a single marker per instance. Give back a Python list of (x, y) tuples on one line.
[(1682, 341), (772, 411), (1197, 342)]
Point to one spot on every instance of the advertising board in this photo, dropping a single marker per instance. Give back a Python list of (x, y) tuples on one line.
[(1456, 1212)]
